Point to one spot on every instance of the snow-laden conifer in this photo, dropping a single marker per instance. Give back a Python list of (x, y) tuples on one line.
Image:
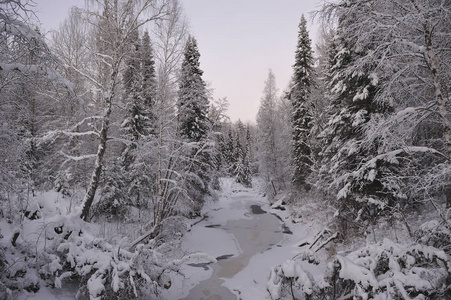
[(149, 79), (192, 102), (301, 115), (194, 126)]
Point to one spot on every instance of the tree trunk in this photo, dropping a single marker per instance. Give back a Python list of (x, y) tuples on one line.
[(95, 178), (431, 61)]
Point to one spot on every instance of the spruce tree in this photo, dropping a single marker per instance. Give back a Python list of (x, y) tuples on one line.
[(149, 81), (354, 87), (239, 166), (301, 116), (247, 178), (138, 97), (229, 154), (138, 87), (193, 124), (119, 177), (192, 103)]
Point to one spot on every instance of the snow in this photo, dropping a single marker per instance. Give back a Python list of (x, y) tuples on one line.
[(294, 269), (47, 72), (245, 276), (264, 274), (248, 255), (371, 175), (274, 284), (401, 115), (350, 270), (46, 293), (374, 79), (361, 95)]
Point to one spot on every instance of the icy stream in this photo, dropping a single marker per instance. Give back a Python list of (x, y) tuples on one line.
[(256, 232)]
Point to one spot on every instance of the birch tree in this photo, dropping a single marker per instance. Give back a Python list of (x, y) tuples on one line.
[(116, 22), (28, 70), (267, 131)]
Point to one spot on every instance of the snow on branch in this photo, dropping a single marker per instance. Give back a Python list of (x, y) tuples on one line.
[(290, 273), (148, 234), (386, 270), (19, 29), (70, 250), (411, 111), (53, 134), (45, 71), (71, 133), (122, 140), (368, 170), (391, 156), (77, 158)]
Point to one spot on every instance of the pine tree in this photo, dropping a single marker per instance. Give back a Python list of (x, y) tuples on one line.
[(192, 103), (301, 116)]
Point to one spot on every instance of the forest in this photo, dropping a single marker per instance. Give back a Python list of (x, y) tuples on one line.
[(111, 144)]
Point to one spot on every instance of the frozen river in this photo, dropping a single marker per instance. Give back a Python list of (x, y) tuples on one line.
[(244, 237), (255, 233)]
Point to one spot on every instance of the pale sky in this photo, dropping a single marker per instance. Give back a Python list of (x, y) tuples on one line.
[(239, 41)]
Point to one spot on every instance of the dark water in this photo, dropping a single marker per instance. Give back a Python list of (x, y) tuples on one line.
[(257, 210)]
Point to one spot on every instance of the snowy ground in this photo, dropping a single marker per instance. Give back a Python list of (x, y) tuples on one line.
[(249, 239), (245, 235)]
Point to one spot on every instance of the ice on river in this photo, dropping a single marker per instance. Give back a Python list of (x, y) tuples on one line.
[(248, 240)]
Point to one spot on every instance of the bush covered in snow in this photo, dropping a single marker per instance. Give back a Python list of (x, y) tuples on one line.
[(291, 278), (64, 248), (436, 233), (387, 270)]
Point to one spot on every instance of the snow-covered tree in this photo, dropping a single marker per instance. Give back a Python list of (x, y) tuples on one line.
[(137, 122), (355, 87), (267, 131), (284, 137), (28, 72), (220, 122), (116, 24), (242, 170), (244, 173), (386, 80), (300, 99), (149, 80), (193, 124), (229, 153), (192, 103), (129, 171), (321, 96)]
